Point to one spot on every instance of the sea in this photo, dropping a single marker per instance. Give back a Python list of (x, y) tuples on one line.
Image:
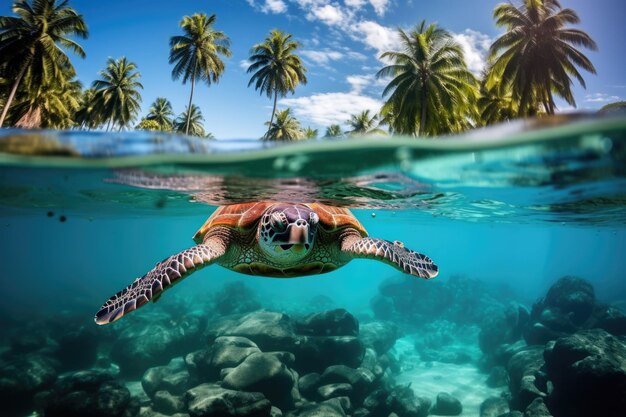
[(526, 222)]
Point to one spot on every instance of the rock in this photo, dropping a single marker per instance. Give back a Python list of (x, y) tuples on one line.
[(93, 393), (379, 335), (504, 326), (376, 403), (265, 373), (522, 369), (152, 342), (326, 392), (276, 412), (447, 405), (173, 378), (323, 409), (209, 400), (225, 352), (21, 379), (268, 330), (512, 414), (166, 403), (498, 377), (538, 409), (494, 407), (574, 297), (612, 320), (588, 373), (316, 353), (336, 322), (404, 403), (77, 349), (149, 412), (235, 298), (308, 384), (371, 363), (359, 379)]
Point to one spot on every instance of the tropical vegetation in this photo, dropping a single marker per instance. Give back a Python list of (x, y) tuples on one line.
[(429, 88)]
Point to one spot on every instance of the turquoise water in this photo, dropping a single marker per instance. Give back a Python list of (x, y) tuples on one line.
[(504, 213)]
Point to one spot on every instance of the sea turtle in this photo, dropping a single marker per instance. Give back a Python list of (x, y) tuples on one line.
[(271, 239)]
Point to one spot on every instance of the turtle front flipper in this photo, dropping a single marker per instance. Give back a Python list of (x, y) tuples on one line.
[(392, 253), (165, 274)]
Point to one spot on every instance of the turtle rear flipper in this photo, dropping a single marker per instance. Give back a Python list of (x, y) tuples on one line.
[(391, 253), (165, 274)]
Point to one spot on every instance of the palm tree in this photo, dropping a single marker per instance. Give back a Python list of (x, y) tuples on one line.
[(285, 127), (86, 116), (161, 112), (333, 131), (432, 89), (277, 69), (364, 124), (33, 43), (310, 133), (537, 55), (117, 93), (148, 125), (190, 122), (196, 54), (495, 104)]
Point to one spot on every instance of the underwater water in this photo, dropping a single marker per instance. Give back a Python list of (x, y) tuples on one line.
[(526, 222)]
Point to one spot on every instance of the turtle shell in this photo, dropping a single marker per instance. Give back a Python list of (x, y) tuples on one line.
[(245, 215)]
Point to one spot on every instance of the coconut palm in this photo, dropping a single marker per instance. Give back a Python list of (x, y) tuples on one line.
[(333, 131), (86, 116), (277, 69), (364, 124), (161, 112), (495, 104), (310, 133), (117, 99), (148, 125), (34, 42), (190, 122), (285, 127), (537, 55), (196, 53), (431, 89)]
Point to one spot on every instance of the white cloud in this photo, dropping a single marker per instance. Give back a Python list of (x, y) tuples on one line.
[(356, 4), (330, 108), (376, 36), (322, 57), (328, 13), (244, 64), (380, 6), (475, 48), (359, 82), (269, 6), (600, 98)]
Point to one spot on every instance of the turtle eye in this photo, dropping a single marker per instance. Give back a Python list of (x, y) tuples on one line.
[(314, 218), (279, 221)]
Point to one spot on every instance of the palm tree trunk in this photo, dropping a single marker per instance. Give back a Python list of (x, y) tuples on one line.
[(193, 83), (12, 95), (273, 112)]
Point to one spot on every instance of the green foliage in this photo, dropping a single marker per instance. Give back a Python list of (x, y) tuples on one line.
[(277, 69), (162, 113), (284, 128), (537, 57), (117, 98), (333, 131), (364, 124), (190, 123), (495, 104), (33, 45), (196, 53), (431, 90), (614, 108), (150, 125), (86, 115), (310, 133)]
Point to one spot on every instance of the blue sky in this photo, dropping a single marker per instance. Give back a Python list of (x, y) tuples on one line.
[(341, 40)]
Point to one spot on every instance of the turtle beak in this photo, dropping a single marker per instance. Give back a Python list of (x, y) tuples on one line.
[(299, 233)]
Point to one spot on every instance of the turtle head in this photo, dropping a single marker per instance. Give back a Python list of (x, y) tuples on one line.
[(287, 232)]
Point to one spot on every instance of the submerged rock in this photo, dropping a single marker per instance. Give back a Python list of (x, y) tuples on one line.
[(588, 372), (210, 400), (324, 409), (316, 353), (538, 409), (225, 352), (77, 349), (336, 322), (167, 403), (329, 391), (173, 378), (523, 368), (494, 407), (379, 335), (405, 403), (447, 405)]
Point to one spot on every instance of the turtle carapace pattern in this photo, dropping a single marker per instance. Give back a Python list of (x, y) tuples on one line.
[(270, 239)]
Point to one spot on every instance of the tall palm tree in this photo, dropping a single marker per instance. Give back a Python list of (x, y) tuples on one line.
[(86, 116), (277, 69), (34, 43), (537, 55), (364, 124), (161, 112), (333, 131), (190, 122), (196, 53), (495, 103), (117, 93), (432, 88), (284, 128), (310, 133)]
